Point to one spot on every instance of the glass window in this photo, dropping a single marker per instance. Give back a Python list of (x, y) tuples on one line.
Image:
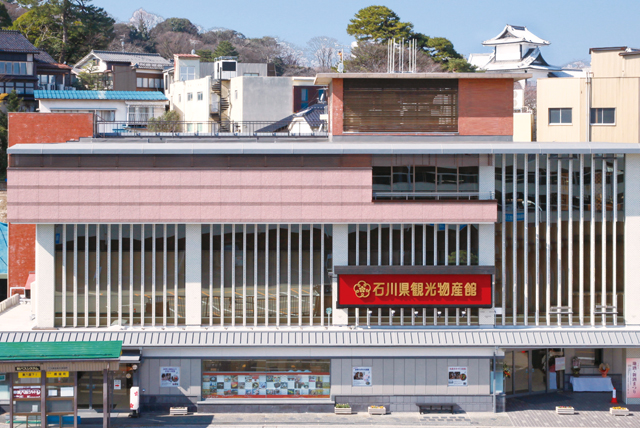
[(425, 179), (139, 79), (200, 96), (468, 179), (304, 94), (189, 96), (381, 178), (603, 116), (4, 386), (266, 378), (402, 178), (560, 116), (23, 68), (447, 180), (2, 67), (187, 73), (16, 68)]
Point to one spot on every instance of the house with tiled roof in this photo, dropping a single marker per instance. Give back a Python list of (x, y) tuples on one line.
[(126, 71), (24, 67), (119, 109)]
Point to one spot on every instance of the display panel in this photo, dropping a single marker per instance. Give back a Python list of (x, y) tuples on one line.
[(446, 290), (303, 379)]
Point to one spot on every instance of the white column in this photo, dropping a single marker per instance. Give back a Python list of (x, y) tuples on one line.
[(193, 274), (45, 276), (340, 258), (486, 232), (631, 240)]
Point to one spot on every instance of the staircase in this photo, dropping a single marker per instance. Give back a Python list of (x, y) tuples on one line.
[(222, 115)]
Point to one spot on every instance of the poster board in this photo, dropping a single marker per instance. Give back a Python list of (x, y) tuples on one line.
[(169, 377), (561, 363), (633, 369), (458, 376), (361, 376), (134, 398)]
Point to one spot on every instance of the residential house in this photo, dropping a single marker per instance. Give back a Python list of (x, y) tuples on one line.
[(212, 95), (602, 106), (122, 108), (24, 68), (126, 71)]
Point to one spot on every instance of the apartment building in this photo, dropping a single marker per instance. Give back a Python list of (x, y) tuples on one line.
[(603, 106), (414, 254)]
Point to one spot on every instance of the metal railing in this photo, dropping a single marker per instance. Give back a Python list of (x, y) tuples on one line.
[(432, 196), (163, 128)]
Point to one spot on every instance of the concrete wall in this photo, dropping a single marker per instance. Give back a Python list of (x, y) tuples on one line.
[(260, 98), (399, 383), (213, 196), (194, 110)]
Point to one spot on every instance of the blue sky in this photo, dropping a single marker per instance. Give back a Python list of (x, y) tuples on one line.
[(572, 26)]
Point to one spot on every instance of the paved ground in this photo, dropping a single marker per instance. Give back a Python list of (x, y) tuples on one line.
[(535, 412)]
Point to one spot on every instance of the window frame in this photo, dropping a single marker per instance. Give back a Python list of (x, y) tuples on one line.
[(189, 96), (561, 110), (601, 110), (200, 96)]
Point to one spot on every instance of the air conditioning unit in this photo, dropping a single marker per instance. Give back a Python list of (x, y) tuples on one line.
[(51, 86)]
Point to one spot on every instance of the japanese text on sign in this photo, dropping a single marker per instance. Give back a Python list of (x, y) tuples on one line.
[(633, 367), (415, 290), (57, 374), (26, 375)]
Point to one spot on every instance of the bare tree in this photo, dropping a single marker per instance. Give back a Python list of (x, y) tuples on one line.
[(145, 21), (323, 52)]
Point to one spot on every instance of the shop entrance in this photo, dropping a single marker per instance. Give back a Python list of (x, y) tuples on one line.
[(531, 371), (91, 389)]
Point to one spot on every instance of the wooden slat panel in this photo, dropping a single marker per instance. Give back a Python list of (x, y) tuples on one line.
[(390, 105)]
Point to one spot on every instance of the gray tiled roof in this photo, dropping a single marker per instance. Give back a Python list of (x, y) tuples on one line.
[(14, 41), (503, 338), (133, 58)]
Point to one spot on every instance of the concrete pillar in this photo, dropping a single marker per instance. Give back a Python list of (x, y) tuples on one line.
[(631, 240), (340, 258), (43, 296), (193, 274), (486, 232)]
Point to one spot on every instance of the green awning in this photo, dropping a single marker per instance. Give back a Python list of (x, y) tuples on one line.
[(42, 351)]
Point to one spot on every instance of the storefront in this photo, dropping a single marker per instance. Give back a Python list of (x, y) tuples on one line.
[(42, 379)]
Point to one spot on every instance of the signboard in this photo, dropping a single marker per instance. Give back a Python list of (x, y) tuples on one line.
[(415, 291), (66, 391), (560, 363), (169, 377), (28, 368), (28, 375), (134, 398), (362, 376), (3, 377), (32, 391), (57, 374), (457, 376), (117, 384), (633, 377)]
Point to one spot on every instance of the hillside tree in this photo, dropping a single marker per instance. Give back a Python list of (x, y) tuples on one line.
[(378, 24)]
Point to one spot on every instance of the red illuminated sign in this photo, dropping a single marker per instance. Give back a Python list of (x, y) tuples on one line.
[(26, 391), (452, 291)]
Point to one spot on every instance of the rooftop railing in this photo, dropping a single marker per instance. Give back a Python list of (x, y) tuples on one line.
[(161, 128), (432, 196)]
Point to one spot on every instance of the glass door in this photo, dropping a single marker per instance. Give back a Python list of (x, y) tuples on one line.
[(520, 372), (539, 370)]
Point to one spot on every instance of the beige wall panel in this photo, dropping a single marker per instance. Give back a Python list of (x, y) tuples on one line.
[(560, 93), (622, 94)]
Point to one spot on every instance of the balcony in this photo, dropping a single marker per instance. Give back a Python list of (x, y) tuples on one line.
[(225, 129)]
